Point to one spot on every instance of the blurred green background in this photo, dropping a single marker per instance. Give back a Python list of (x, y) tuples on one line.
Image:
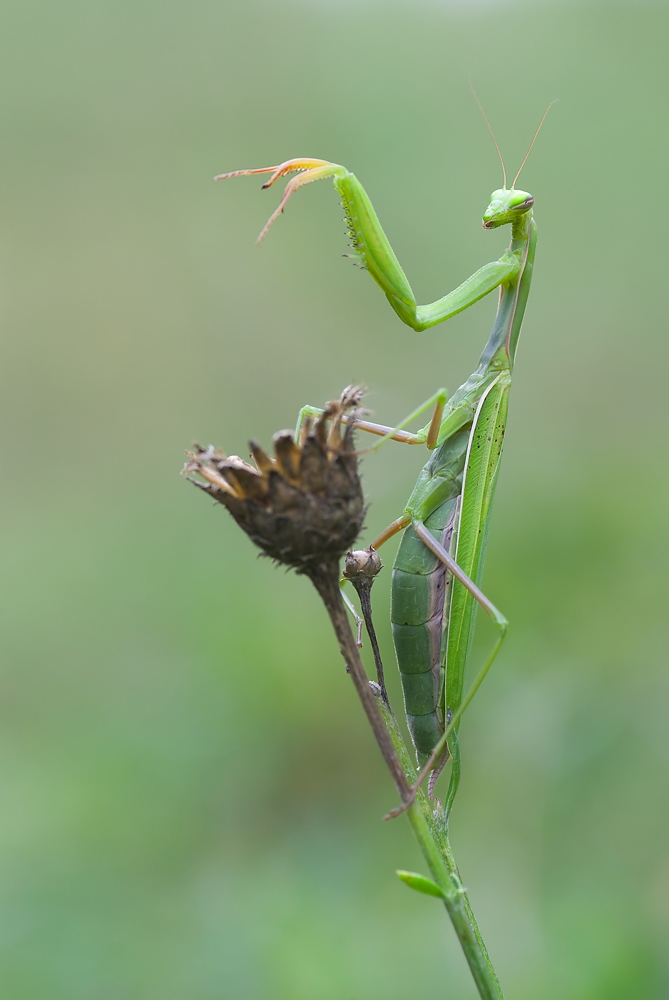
[(191, 801)]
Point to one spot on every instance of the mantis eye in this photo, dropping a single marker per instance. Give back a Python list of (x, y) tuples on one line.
[(523, 207)]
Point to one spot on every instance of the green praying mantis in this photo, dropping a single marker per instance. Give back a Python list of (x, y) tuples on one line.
[(439, 563)]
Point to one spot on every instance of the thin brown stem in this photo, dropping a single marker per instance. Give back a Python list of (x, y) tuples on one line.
[(363, 588), (325, 579)]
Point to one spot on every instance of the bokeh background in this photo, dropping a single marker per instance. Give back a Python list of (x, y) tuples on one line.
[(191, 802)]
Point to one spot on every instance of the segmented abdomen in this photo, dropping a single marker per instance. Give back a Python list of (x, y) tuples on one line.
[(419, 600)]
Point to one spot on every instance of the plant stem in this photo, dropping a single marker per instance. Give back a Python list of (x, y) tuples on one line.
[(429, 830), (432, 835), (326, 581), (363, 588)]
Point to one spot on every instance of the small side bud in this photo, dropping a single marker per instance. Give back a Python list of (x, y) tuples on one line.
[(362, 563), (421, 884), (361, 567)]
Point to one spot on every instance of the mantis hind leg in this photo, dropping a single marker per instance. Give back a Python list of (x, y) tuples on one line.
[(448, 741), (454, 569)]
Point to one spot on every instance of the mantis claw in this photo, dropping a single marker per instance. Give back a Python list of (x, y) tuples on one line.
[(309, 170)]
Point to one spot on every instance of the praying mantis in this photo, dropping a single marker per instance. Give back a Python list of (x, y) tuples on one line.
[(439, 563)]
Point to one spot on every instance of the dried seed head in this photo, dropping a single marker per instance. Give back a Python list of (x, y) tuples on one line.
[(304, 507), (362, 563)]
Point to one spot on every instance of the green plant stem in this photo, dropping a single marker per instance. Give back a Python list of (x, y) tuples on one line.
[(428, 827), (432, 835)]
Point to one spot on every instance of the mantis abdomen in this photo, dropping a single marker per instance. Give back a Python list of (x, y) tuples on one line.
[(418, 606), (431, 648)]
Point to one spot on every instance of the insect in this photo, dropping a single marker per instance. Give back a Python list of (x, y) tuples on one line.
[(435, 591)]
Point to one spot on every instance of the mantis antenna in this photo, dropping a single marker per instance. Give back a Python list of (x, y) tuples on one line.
[(485, 118), (529, 148)]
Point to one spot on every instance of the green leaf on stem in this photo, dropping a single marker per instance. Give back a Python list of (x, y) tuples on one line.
[(420, 883)]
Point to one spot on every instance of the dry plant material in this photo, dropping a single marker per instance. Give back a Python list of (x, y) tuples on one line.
[(303, 506)]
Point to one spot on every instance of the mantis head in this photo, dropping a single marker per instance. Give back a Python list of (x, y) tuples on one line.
[(506, 205)]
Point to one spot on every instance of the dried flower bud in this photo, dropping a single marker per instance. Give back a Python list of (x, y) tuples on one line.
[(303, 507), (362, 563)]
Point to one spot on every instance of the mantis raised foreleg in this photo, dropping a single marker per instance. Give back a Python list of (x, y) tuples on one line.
[(371, 245), (445, 522)]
